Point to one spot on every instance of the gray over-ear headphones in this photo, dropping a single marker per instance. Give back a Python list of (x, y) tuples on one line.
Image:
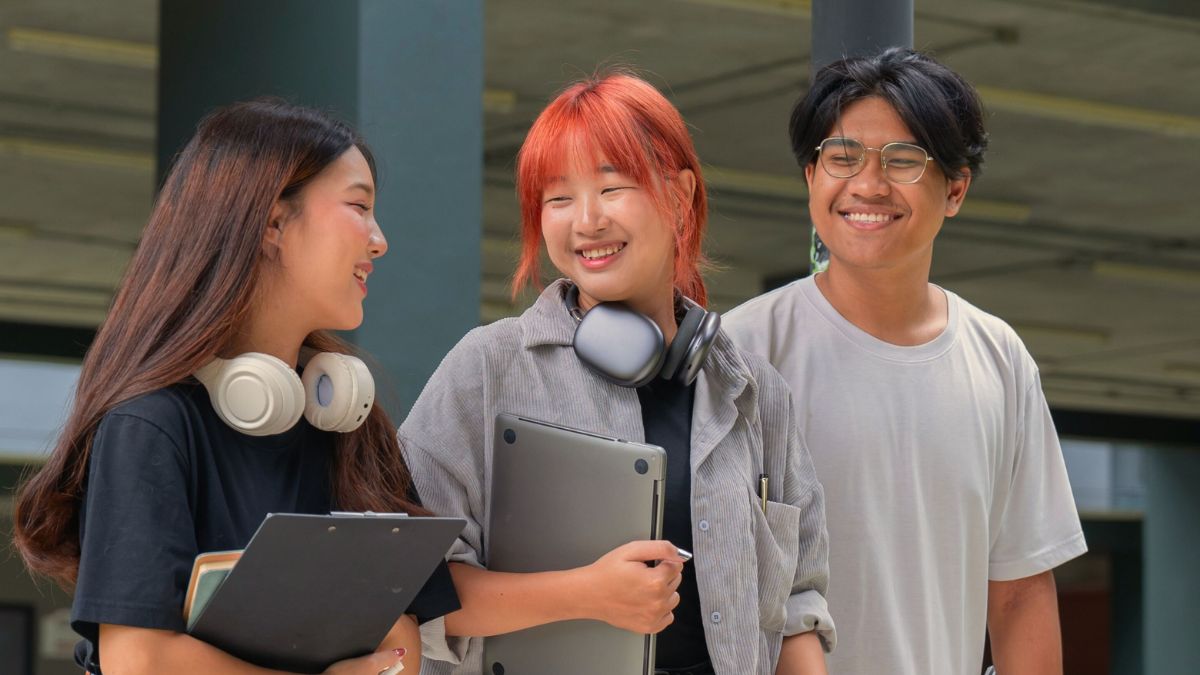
[(627, 348), (260, 395)]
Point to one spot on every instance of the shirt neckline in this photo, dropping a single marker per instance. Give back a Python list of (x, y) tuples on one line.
[(879, 348)]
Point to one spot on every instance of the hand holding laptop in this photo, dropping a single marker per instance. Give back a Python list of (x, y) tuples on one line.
[(591, 507), (628, 593)]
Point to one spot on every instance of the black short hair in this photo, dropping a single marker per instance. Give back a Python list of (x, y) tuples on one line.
[(942, 110)]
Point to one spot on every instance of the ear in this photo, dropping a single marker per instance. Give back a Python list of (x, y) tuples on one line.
[(808, 174), (686, 179), (273, 235), (956, 192)]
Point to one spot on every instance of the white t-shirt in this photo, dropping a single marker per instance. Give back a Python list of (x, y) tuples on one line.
[(941, 470)]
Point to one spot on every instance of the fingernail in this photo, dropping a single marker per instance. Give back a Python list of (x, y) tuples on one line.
[(400, 652)]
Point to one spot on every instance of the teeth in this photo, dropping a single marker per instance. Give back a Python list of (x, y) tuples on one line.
[(360, 274), (601, 252), (868, 217)]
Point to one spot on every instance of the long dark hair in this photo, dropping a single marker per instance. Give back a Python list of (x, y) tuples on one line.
[(189, 286)]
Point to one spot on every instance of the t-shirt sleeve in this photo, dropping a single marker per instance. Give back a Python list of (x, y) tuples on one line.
[(437, 597), (137, 540), (1035, 526)]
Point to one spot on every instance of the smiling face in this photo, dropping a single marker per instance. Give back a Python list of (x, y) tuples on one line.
[(869, 222), (323, 243), (604, 232)]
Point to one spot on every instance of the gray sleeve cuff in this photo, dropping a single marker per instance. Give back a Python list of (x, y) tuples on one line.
[(461, 552), (436, 645), (808, 611)]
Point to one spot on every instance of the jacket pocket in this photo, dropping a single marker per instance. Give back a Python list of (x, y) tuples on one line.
[(777, 544)]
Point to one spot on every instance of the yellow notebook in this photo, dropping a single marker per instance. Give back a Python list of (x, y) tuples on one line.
[(208, 572)]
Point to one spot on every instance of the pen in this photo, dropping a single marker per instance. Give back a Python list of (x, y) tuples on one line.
[(762, 490), (684, 553)]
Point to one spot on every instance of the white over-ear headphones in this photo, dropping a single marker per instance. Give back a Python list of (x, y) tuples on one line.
[(260, 395)]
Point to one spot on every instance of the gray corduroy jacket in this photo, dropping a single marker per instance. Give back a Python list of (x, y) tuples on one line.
[(761, 575)]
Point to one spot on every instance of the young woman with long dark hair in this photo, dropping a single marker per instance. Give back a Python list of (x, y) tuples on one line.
[(261, 240)]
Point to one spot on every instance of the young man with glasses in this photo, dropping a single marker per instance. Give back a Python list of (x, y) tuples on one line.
[(947, 498)]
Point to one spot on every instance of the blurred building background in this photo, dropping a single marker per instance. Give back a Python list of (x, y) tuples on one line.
[(1083, 231)]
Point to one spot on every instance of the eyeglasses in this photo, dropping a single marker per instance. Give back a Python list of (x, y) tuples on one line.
[(846, 157)]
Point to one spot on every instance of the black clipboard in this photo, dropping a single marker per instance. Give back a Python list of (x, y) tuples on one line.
[(311, 590)]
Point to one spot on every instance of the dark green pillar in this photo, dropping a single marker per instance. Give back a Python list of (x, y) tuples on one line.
[(409, 76), (1128, 611), (842, 28), (1172, 556)]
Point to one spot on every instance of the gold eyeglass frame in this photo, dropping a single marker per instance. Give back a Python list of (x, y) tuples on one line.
[(862, 162)]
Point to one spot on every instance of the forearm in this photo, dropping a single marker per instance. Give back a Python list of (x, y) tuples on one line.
[(143, 651), (620, 588), (801, 655), (501, 602), (1023, 626)]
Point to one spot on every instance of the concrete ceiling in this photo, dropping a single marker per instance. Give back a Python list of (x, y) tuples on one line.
[(1082, 232)]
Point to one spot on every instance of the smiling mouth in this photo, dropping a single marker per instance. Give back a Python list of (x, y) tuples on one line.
[(602, 252), (868, 218), (360, 275)]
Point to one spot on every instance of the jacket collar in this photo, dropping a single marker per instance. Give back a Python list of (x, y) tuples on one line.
[(548, 322)]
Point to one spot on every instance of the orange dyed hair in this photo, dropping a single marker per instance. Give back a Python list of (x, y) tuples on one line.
[(626, 121)]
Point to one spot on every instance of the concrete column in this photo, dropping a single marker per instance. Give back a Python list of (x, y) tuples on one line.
[(1172, 555), (422, 110), (842, 28), (409, 76), (1128, 622)]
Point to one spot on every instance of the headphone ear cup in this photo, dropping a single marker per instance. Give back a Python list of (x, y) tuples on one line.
[(256, 394), (697, 351), (682, 342), (338, 392), (619, 344)]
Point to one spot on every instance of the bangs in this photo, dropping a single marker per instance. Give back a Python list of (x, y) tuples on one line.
[(581, 136)]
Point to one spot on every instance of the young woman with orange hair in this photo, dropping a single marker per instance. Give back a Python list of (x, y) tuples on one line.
[(261, 240), (610, 187)]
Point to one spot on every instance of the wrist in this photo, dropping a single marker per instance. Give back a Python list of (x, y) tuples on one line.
[(581, 598)]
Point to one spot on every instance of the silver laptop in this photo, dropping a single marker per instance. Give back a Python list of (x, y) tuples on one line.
[(561, 498)]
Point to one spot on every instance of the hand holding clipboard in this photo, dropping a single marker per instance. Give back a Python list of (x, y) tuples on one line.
[(357, 576)]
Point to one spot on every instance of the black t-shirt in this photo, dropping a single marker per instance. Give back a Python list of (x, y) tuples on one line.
[(168, 480), (667, 418)]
